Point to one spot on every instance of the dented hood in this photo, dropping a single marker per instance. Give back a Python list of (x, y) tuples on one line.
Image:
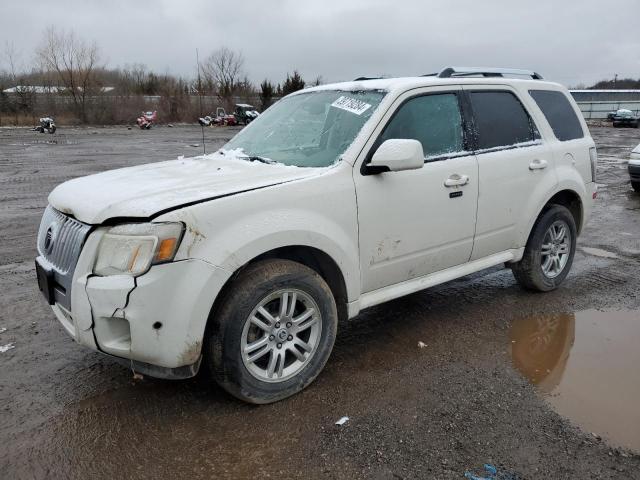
[(145, 190)]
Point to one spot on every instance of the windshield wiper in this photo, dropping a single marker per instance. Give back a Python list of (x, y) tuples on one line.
[(257, 158)]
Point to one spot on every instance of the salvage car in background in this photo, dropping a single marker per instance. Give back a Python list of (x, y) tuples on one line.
[(47, 124), (625, 118), (336, 199), (634, 168), (245, 113), (146, 120), (219, 118)]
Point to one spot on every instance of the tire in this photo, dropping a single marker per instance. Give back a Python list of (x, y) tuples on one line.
[(616, 124), (529, 272), (52, 130), (230, 330), (636, 186), (41, 129)]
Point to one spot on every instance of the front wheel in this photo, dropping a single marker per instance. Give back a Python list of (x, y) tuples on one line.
[(549, 252), (273, 331), (636, 186)]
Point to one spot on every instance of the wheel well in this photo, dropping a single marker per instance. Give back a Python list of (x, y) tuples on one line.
[(321, 263), (570, 200), (313, 258)]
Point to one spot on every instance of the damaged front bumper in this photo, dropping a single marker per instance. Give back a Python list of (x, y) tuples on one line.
[(153, 323)]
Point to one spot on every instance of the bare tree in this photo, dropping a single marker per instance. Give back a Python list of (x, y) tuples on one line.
[(23, 96), (223, 70), (73, 63)]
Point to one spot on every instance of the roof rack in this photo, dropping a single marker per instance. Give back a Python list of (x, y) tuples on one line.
[(485, 72)]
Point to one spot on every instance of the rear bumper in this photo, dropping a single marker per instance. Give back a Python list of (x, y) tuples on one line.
[(634, 170)]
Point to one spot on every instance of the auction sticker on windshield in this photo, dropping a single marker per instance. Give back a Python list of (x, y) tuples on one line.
[(352, 105)]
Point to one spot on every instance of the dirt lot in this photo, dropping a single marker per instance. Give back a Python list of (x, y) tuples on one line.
[(541, 386)]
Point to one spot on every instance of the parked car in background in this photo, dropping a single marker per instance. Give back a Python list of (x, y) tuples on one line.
[(626, 118), (245, 113), (336, 199), (224, 118), (146, 120), (634, 168), (47, 124)]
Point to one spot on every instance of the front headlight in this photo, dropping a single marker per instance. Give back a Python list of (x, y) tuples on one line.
[(131, 249)]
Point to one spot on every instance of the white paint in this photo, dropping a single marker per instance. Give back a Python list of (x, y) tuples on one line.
[(415, 285), (143, 190), (389, 234), (399, 154)]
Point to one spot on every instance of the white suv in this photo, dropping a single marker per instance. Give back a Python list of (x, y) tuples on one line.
[(337, 198)]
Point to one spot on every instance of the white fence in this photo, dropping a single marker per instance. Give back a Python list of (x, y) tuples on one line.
[(597, 110)]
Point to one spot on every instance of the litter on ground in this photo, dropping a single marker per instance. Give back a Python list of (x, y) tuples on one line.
[(342, 421)]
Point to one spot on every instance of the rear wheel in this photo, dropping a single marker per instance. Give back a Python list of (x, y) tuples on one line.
[(549, 252), (273, 332), (636, 186)]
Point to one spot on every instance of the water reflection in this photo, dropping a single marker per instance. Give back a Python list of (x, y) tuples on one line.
[(540, 348), (586, 365)]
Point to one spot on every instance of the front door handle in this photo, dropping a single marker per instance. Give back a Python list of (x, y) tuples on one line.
[(538, 164), (456, 180)]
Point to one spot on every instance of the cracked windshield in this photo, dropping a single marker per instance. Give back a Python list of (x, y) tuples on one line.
[(308, 130)]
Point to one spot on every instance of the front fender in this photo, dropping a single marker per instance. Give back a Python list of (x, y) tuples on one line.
[(229, 232)]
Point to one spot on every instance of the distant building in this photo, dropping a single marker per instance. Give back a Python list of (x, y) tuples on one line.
[(45, 90), (596, 104)]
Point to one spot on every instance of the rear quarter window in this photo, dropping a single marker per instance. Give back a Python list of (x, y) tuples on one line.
[(559, 113)]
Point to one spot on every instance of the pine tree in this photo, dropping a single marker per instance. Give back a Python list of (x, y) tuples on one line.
[(293, 83)]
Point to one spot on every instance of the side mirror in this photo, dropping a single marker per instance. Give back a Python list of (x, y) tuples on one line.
[(397, 154)]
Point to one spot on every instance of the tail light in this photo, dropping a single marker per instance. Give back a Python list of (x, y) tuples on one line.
[(593, 156)]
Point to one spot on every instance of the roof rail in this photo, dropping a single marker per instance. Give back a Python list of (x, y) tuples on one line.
[(486, 72), (359, 79)]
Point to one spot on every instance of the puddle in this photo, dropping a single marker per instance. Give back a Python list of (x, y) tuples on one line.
[(598, 252), (587, 366)]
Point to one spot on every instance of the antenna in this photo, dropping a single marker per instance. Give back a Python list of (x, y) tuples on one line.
[(204, 145)]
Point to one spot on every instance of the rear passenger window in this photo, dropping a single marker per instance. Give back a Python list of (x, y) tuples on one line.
[(559, 113), (433, 120), (501, 120)]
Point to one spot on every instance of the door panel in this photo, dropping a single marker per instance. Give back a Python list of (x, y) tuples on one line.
[(513, 162), (411, 223), (508, 181)]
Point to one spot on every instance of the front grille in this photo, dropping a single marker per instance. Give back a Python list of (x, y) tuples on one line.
[(60, 240)]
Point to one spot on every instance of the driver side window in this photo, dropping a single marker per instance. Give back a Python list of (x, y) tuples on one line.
[(433, 120)]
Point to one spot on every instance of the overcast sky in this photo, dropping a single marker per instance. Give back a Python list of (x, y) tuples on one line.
[(571, 42)]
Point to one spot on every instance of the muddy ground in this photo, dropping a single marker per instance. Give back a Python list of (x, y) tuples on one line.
[(495, 366)]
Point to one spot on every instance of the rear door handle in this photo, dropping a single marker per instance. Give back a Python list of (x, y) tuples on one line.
[(456, 180), (538, 164)]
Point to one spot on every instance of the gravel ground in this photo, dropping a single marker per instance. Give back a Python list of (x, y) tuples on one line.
[(434, 411)]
